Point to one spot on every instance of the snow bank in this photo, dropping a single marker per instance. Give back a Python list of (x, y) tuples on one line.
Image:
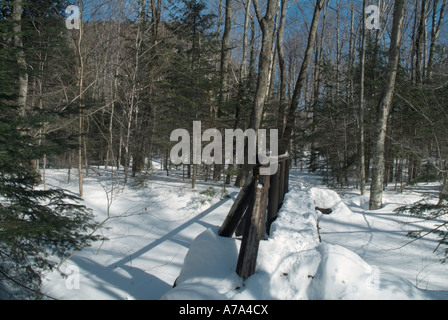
[(292, 263), (208, 270)]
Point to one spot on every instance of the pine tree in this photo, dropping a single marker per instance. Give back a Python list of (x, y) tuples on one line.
[(36, 226), (191, 83)]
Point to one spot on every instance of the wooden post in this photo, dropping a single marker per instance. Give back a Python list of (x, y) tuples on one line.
[(254, 230), (254, 210), (238, 208), (286, 185), (273, 203), (281, 193), (239, 231)]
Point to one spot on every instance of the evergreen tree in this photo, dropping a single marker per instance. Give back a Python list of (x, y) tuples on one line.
[(191, 81), (194, 74), (36, 226)]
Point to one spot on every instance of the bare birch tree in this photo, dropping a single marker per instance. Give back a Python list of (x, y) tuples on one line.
[(80, 96), (362, 59), (376, 189)]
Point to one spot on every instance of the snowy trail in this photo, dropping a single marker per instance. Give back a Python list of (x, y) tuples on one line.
[(166, 231), (379, 237), (355, 260), (149, 232)]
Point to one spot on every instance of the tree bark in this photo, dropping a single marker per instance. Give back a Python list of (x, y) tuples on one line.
[(376, 189), (362, 159), (18, 44), (225, 53), (443, 195), (243, 169), (224, 93), (243, 65), (435, 33), (290, 120), (133, 100), (282, 66), (265, 59), (80, 105), (420, 44)]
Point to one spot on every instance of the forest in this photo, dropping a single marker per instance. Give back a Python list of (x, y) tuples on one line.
[(357, 96)]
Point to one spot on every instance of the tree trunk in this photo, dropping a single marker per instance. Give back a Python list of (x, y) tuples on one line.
[(225, 54), (243, 65), (420, 44), (18, 44), (376, 189), (435, 33), (114, 96), (290, 120), (134, 95), (282, 66), (224, 93), (194, 177), (443, 195), (318, 48), (265, 59), (22, 93), (362, 159), (80, 106), (242, 168)]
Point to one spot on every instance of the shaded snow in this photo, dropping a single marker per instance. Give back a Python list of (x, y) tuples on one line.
[(292, 263), (165, 232)]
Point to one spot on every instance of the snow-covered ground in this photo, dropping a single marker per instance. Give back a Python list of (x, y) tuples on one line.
[(164, 231)]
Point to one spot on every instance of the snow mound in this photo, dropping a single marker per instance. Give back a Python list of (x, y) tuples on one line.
[(329, 199), (208, 271), (292, 263), (360, 202), (325, 198), (342, 274)]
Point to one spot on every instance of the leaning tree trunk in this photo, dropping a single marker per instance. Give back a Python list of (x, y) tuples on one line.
[(265, 59), (282, 66), (376, 189), (264, 66), (291, 116)]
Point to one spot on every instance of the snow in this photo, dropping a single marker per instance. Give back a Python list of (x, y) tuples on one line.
[(164, 233)]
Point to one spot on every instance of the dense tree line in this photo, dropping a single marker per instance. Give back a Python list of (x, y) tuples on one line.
[(356, 105)]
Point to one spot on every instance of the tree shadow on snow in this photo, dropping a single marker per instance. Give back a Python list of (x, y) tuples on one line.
[(136, 282), (114, 279)]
